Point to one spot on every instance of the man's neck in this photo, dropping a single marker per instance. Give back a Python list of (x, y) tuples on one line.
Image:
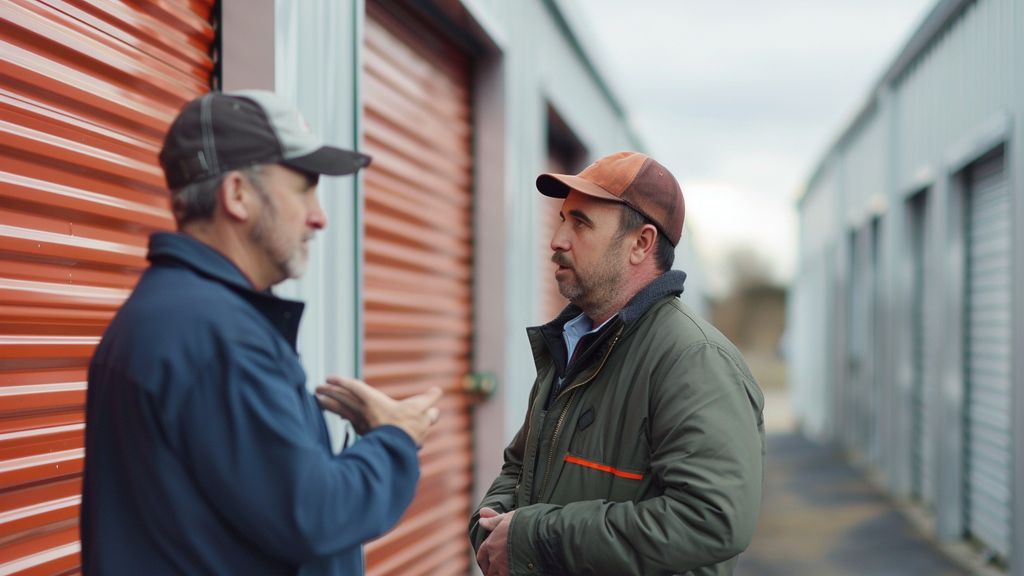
[(233, 247), (632, 285)]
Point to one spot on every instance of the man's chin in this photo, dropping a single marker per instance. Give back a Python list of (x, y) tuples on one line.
[(296, 267), (570, 293)]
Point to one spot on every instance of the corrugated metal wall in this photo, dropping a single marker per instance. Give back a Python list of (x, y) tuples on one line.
[(955, 85), (86, 92), (948, 105), (418, 271)]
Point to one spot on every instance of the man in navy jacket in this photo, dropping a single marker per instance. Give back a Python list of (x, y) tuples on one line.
[(205, 454)]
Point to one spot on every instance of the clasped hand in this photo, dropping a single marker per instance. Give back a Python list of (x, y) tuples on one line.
[(493, 553)]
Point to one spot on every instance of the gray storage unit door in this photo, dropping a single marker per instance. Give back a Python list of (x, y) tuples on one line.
[(853, 393), (873, 410), (861, 388), (922, 390), (987, 350)]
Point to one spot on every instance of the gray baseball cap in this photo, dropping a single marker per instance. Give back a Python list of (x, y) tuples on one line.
[(222, 131)]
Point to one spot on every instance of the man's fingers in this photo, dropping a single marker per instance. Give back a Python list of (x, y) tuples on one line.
[(483, 558), (491, 523), (362, 390), (433, 394), (433, 414), (334, 391), (328, 403), (341, 380), (424, 400), (339, 408), (340, 404), (488, 512), (341, 395), (356, 417)]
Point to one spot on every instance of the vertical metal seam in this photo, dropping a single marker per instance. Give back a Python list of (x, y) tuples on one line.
[(216, 80), (358, 228)]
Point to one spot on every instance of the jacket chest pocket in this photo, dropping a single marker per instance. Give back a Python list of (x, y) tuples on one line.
[(595, 480), (606, 460)]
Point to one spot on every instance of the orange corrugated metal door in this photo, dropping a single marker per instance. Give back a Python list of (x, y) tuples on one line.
[(417, 273), (86, 91)]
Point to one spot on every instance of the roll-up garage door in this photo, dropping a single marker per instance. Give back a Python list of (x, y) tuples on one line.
[(86, 91), (418, 270), (922, 390), (987, 350), (857, 394), (873, 400)]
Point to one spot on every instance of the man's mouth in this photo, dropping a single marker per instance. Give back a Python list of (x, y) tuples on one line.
[(558, 259)]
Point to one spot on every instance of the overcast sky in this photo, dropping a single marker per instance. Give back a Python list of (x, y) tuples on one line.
[(740, 99)]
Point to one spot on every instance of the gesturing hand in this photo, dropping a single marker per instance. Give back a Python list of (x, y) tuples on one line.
[(367, 408), (493, 553)]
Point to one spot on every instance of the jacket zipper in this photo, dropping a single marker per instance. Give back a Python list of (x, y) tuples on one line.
[(526, 450), (565, 411)]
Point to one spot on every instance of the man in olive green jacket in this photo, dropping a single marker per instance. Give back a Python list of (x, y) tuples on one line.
[(643, 447)]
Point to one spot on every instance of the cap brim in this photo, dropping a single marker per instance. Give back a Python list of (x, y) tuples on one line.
[(559, 185), (329, 161)]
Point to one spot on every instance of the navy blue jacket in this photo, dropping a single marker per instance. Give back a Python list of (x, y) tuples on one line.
[(205, 453)]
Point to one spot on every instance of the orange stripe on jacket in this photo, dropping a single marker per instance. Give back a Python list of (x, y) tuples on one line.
[(603, 468)]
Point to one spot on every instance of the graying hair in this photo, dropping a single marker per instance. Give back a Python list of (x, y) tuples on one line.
[(664, 251), (198, 200)]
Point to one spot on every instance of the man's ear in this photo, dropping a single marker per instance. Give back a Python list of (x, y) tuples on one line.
[(234, 196), (643, 244)]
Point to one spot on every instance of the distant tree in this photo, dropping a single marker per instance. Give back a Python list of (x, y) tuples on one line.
[(747, 268), (752, 314)]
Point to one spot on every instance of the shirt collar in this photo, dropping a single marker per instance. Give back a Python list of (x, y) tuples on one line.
[(581, 325)]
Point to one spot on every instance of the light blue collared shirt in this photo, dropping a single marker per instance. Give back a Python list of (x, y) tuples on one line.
[(574, 330)]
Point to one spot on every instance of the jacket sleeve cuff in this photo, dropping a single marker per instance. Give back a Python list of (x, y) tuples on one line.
[(529, 553)]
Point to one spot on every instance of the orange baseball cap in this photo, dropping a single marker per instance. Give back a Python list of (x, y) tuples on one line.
[(631, 178)]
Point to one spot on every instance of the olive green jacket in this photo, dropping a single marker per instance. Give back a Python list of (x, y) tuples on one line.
[(650, 459)]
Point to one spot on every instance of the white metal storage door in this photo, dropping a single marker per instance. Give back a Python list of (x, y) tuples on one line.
[(922, 448), (987, 350)]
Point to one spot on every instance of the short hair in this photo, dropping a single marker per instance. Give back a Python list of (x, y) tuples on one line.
[(198, 200), (630, 219)]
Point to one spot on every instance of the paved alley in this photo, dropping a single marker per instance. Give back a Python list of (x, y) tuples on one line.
[(820, 518)]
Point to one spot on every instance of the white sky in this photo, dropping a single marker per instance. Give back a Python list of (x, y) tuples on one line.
[(740, 99)]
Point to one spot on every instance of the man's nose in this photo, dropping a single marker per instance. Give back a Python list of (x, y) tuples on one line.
[(317, 217), (560, 239)]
